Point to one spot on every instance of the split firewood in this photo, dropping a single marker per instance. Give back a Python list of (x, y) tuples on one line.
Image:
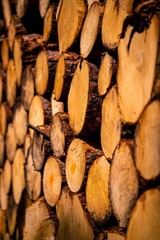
[(61, 134), (113, 19), (39, 112), (5, 117), (11, 85), (70, 15), (2, 149), (12, 215), (65, 69), (147, 142), (135, 74), (11, 142), (97, 194), (123, 184), (19, 123), (80, 157), (73, 221), (111, 123), (18, 175), (7, 175), (27, 86), (3, 194), (4, 53), (144, 221), (84, 105), (45, 68), (53, 176)]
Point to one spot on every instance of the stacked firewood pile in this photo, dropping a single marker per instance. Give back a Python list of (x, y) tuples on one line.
[(79, 120)]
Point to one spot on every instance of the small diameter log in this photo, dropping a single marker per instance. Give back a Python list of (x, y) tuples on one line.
[(135, 76), (40, 221), (84, 105), (27, 86), (5, 117), (3, 194), (7, 174), (106, 71), (21, 7), (123, 183), (4, 53), (11, 142), (80, 157), (112, 23), (144, 221), (50, 33), (11, 85), (89, 34), (61, 134), (46, 64), (2, 149), (53, 175), (70, 15), (65, 69), (12, 215), (73, 221), (19, 124), (147, 142), (18, 175), (111, 123), (33, 178), (6, 12), (40, 146), (97, 195), (3, 228), (39, 112)]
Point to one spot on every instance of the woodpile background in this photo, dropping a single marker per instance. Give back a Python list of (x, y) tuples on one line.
[(79, 120)]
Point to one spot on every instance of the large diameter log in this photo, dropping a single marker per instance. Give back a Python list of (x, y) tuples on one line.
[(18, 175), (147, 142), (144, 221), (46, 63), (135, 76), (70, 15), (80, 157), (112, 23), (97, 194), (53, 174), (2, 149), (73, 221), (11, 142), (84, 105), (4, 53), (5, 117), (123, 184), (111, 123), (40, 221)]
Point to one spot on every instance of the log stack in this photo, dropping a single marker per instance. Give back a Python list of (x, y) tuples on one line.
[(79, 120)]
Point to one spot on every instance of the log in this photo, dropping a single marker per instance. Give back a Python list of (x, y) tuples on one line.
[(61, 134), (106, 71), (84, 106), (53, 176), (5, 117), (80, 157), (115, 13), (2, 149), (65, 69), (18, 175), (12, 215), (97, 195), (27, 87), (45, 68), (11, 85), (111, 123), (135, 75), (4, 53), (33, 179), (40, 221), (11, 142), (147, 142), (7, 175), (144, 221), (39, 112), (73, 221), (19, 123), (123, 183), (70, 15)]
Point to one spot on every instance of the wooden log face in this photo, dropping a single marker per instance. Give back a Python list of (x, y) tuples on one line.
[(144, 221), (7, 175), (135, 74), (17, 53), (147, 142)]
